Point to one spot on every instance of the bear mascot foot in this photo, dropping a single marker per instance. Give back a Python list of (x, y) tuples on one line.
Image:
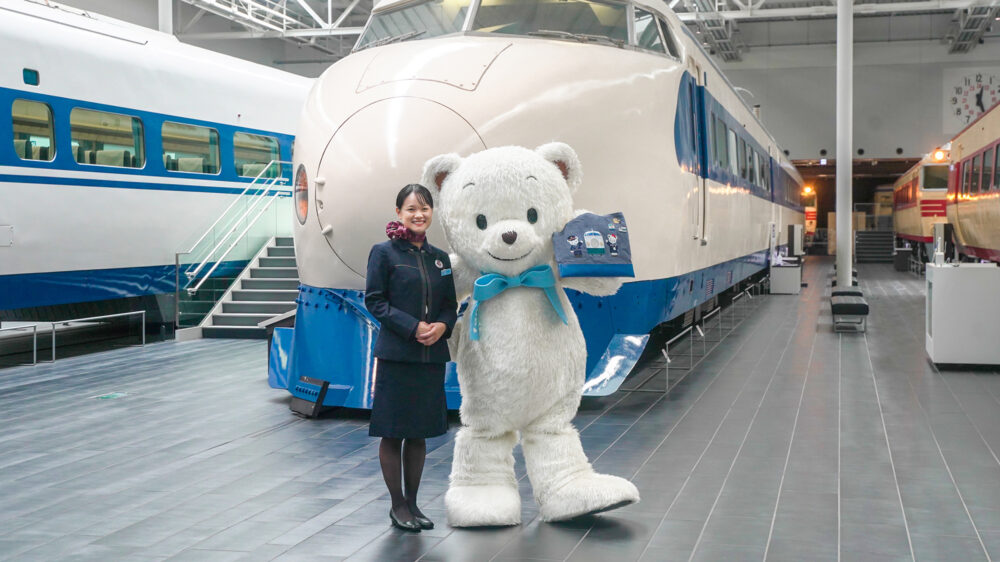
[(483, 506), (588, 494)]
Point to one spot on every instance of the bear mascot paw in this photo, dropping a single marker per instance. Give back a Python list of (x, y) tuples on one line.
[(519, 348)]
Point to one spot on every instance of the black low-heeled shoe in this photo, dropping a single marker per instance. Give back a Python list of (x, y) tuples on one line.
[(411, 525), (424, 522)]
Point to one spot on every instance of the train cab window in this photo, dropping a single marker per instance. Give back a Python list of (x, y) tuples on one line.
[(976, 169), (987, 182), (647, 33), (935, 177), (253, 153), (668, 39), (189, 148), (107, 139), (579, 20), (734, 160), (33, 137), (966, 177)]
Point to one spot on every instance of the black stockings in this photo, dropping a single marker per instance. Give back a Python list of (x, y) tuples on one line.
[(402, 465)]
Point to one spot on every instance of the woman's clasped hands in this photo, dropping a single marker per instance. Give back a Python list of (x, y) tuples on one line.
[(429, 334)]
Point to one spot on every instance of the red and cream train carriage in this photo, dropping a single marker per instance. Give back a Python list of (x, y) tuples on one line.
[(974, 187), (919, 201)]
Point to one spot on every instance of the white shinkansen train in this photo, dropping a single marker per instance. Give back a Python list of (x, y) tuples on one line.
[(660, 132), (119, 145)]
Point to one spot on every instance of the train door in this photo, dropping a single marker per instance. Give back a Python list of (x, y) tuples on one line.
[(698, 125)]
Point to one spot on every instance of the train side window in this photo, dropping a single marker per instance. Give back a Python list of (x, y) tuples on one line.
[(721, 151), (647, 36), (987, 182), (252, 154), (190, 148), (107, 139), (966, 177), (741, 155), (976, 169), (733, 158), (996, 170), (33, 136)]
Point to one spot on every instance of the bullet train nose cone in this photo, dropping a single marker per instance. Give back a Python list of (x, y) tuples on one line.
[(373, 155)]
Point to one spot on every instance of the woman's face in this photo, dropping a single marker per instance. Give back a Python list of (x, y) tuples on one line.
[(415, 214)]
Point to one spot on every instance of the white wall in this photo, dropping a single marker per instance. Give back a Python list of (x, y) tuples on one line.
[(898, 94)]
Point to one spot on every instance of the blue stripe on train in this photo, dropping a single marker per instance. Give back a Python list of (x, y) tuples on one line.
[(30, 290)]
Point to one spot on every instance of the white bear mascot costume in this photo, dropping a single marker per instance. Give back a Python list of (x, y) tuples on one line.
[(520, 352)]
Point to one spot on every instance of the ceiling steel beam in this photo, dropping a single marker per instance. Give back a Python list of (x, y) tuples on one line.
[(291, 33), (312, 13), (831, 11)]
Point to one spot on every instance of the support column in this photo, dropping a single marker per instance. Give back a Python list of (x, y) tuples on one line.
[(845, 116), (166, 16)]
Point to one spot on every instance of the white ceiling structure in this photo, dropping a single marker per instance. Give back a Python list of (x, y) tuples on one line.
[(728, 28)]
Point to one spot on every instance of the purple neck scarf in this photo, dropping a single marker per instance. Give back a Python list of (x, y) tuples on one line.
[(396, 231)]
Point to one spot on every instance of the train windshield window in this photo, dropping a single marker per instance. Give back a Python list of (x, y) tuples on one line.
[(647, 34), (936, 177), (189, 148), (107, 139), (976, 168), (987, 182), (421, 20), (253, 153), (33, 138), (580, 20)]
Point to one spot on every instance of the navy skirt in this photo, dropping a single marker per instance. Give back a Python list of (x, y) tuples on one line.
[(409, 401)]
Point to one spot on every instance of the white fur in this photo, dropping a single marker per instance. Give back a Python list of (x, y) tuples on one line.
[(526, 372)]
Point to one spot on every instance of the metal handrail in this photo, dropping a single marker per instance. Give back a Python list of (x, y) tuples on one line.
[(237, 198), (142, 330), (260, 197), (34, 339), (193, 290)]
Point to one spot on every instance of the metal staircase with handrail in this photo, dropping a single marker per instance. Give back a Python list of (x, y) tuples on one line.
[(230, 278)]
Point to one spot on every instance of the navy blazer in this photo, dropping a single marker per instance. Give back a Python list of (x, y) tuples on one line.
[(406, 285)]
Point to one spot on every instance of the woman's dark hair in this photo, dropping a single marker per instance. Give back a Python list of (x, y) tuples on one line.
[(422, 193)]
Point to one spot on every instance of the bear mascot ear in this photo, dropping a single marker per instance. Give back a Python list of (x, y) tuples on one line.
[(564, 157), (437, 170)]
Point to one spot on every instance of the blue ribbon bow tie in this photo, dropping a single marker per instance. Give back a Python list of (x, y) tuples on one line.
[(492, 284)]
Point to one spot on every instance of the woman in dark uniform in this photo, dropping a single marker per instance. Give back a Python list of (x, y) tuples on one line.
[(411, 292)]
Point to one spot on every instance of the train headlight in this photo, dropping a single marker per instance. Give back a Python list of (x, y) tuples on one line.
[(939, 155), (301, 194)]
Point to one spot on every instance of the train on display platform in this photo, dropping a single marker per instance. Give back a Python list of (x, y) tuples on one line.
[(119, 146), (919, 200), (661, 134), (973, 198)]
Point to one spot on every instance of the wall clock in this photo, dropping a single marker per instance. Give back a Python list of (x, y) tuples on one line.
[(968, 93)]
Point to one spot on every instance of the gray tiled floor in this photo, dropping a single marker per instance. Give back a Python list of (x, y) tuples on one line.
[(786, 442)]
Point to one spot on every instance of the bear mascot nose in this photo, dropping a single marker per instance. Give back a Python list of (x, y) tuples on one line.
[(509, 237)]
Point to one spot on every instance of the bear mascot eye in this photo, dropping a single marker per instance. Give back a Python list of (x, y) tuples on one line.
[(481, 222), (532, 215)]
